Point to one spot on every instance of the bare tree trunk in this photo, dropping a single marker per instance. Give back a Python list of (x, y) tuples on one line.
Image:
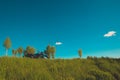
[(6, 52)]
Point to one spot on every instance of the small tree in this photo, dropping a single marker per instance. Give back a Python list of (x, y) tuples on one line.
[(48, 51), (30, 50), (7, 44), (16, 52), (13, 52), (53, 50), (20, 51), (80, 53)]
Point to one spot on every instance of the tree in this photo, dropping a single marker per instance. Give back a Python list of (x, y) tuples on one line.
[(80, 53), (30, 50), (20, 51), (7, 44), (13, 52), (48, 51), (53, 50), (16, 52)]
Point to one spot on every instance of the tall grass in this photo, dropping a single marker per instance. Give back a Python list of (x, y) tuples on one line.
[(12, 68)]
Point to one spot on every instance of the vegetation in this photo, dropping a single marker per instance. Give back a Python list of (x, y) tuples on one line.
[(53, 50), (59, 69), (50, 51), (20, 51), (23, 68), (47, 51), (7, 44), (14, 52), (80, 53), (30, 50)]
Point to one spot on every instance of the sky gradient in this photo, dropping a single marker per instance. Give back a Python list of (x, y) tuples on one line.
[(77, 24)]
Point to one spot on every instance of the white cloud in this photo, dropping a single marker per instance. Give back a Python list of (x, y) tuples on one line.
[(110, 34), (58, 43)]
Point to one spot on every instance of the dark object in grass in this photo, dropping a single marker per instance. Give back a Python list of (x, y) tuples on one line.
[(36, 55)]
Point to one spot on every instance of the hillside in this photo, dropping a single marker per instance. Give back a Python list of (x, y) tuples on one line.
[(59, 69)]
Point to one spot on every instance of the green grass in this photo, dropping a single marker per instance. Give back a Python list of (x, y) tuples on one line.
[(12, 68)]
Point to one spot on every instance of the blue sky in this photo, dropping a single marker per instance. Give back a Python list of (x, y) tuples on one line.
[(90, 25)]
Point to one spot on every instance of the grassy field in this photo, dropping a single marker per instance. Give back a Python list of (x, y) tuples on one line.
[(59, 69)]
